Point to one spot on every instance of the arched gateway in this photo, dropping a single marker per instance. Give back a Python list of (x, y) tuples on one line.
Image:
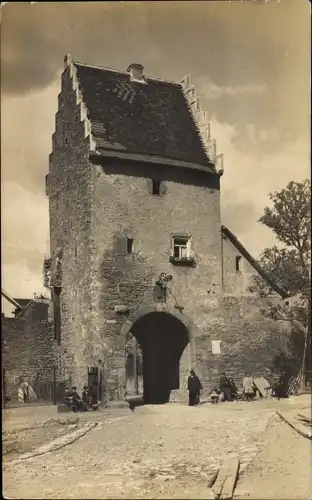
[(165, 338)]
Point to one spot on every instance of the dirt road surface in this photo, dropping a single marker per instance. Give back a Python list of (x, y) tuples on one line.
[(155, 452), (282, 469)]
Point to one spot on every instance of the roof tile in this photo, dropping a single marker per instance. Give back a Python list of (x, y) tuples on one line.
[(153, 119)]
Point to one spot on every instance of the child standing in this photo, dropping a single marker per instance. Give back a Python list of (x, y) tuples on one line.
[(248, 387)]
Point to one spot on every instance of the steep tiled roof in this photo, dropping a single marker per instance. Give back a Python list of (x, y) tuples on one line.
[(149, 119)]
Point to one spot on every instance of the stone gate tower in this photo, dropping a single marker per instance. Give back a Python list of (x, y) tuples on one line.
[(134, 196)]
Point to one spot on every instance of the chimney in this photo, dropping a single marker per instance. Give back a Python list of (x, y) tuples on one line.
[(136, 73)]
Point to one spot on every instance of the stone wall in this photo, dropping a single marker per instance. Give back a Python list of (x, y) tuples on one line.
[(123, 207), (28, 349), (68, 187), (249, 341)]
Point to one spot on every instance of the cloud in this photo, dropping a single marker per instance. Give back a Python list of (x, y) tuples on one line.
[(213, 91), (259, 137), (251, 67), (250, 176), (26, 136), (24, 241), (247, 180)]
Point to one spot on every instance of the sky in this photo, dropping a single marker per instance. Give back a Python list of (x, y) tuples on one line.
[(249, 62)]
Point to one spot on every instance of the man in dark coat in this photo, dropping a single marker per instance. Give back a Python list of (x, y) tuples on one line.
[(280, 388), (194, 386)]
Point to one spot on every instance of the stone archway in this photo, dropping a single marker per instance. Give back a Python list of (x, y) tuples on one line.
[(165, 338)]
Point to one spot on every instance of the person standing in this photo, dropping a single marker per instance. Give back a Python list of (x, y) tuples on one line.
[(93, 393), (194, 387), (248, 387)]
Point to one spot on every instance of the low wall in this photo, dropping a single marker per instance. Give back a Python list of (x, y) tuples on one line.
[(28, 350)]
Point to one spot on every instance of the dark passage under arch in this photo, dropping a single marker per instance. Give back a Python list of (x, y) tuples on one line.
[(162, 338)]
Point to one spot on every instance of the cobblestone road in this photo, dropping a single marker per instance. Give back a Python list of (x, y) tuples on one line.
[(155, 452)]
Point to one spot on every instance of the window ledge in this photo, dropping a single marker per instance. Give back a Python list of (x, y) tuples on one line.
[(189, 262)]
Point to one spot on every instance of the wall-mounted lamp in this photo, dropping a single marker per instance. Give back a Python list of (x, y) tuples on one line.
[(163, 279)]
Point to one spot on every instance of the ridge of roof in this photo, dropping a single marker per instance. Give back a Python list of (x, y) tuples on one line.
[(262, 272), (104, 68)]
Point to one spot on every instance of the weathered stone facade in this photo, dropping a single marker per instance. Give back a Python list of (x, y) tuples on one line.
[(29, 349), (98, 205), (237, 272)]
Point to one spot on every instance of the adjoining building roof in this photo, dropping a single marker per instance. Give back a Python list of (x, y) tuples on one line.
[(271, 280), (36, 305), (152, 119), (22, 302)]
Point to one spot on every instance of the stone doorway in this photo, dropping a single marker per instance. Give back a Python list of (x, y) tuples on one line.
[(134, 367), (158, 340)]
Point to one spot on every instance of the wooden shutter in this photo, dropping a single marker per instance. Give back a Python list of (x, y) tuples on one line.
[(189, 249), (172, 247)]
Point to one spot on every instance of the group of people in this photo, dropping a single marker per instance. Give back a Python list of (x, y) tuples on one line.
[(227, 390), (87, 401)]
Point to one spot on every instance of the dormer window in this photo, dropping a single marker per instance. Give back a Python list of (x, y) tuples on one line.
[(136, 72)]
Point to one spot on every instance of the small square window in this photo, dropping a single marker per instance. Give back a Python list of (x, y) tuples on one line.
[(129, 245), (156, 188), (180, 247), (238, 262), (181, 250)]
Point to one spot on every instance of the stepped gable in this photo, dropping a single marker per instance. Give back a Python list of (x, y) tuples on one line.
[(151, 117)]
